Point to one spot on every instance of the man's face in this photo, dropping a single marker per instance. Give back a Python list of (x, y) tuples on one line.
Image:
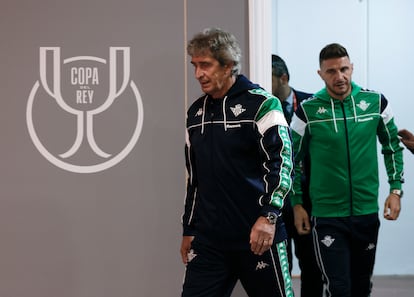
[(215, 80), (276, 85), (337, 75), (280, 86)]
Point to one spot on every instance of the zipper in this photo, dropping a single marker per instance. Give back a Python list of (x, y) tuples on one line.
[(348, 158)]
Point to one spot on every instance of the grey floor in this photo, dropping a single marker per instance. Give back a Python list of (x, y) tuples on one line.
[(383, 286)]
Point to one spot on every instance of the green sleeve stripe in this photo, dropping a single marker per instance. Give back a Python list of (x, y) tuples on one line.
[(286, 167)]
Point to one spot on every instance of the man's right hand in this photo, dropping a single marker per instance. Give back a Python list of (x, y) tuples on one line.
[(407, 138), (185, 248), (302, 222)]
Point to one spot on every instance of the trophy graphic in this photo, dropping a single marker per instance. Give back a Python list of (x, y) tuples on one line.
[(50, 61)]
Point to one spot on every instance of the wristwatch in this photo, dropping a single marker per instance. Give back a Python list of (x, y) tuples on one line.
[(271, 217), (397, 192)]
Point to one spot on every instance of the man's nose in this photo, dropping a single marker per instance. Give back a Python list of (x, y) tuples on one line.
[(198, 72), (340, 75)]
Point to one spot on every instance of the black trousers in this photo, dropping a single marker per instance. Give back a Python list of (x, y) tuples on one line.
[(310, 274), (214, 273), (346, 250)]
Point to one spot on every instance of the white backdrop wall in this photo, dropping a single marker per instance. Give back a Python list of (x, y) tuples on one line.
[(378, 36)]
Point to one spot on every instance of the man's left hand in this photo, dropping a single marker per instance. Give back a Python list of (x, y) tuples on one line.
[(392, 207), (261, 236)]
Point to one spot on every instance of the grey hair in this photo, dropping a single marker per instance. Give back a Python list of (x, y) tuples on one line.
[(222, 45)]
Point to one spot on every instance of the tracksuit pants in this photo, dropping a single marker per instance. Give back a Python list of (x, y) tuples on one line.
[(214, 273), (345, 249), (310, 275)]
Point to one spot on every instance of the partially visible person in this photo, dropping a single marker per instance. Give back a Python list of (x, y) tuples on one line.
[(239, 165), (407, 138), (311, 277), (338, 128)]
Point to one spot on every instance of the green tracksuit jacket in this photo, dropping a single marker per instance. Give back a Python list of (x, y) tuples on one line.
[(341, 138)]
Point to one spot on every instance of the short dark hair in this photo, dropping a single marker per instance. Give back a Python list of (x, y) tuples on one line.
[(279, 67), (333, 50)]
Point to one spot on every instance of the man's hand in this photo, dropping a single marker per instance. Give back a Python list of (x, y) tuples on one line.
[(185, 248), (302, 222), (407, 138), (261, 236), (392, 207)]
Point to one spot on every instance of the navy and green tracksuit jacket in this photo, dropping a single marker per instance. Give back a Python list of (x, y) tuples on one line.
[(341, 138), (239, 164)]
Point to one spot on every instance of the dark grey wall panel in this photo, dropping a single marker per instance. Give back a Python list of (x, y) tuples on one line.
[(109, 233), (86, 224)]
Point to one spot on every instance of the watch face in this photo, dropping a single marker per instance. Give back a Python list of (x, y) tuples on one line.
[(271, 217), (397, 192)]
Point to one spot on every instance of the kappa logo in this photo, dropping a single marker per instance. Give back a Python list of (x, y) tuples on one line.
[(370, 246), (328, 240), (191, 255), (261, 265), (363, 105), (199, 112), (322, 110), (237, 110), (81, 97)]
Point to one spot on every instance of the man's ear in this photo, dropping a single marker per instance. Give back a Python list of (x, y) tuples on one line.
[(228, 68), (230, 65)]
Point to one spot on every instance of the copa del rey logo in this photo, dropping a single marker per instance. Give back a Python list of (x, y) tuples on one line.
[(84, 114)]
